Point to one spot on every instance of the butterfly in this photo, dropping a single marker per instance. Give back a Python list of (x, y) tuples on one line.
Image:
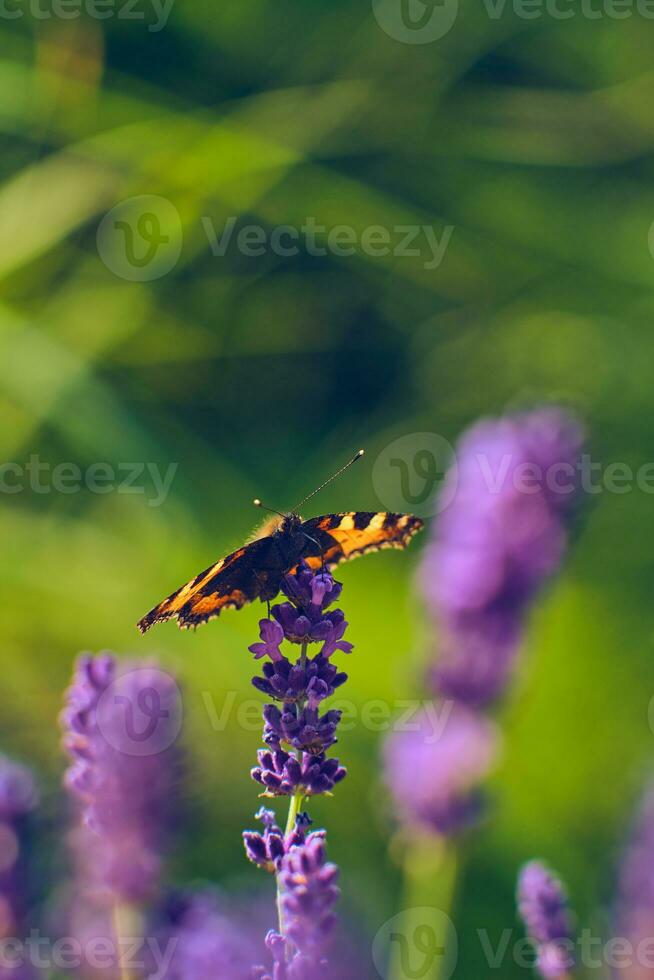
[(256, 570)]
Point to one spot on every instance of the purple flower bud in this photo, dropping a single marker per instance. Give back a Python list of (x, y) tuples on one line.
[(315, 681), (312, 626), (543, 907), (311, 590), (282, 774), (301, 728), (268, 848), (255, 848)]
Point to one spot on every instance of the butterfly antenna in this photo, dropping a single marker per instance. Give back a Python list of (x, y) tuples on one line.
[(257, 503), (333, 477)]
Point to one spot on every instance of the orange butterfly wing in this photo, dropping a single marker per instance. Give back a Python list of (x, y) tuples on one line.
[(359, 532), (245, 575)]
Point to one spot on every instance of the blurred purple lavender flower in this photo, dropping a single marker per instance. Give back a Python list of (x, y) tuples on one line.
[(207, 940), (18, 797), (309, 893), (18, 793), (120, 725), (543, 907), (496, 544), (434, 767), (634, 905)]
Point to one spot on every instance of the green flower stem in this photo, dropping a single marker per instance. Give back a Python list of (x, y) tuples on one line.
[(430, 867), (293, 810), (127, 925)]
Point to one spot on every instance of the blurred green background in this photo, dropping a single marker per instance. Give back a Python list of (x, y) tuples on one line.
[(534, 139)]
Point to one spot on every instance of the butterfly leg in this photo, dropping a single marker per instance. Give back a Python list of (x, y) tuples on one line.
[(320, 549), (262, 586)]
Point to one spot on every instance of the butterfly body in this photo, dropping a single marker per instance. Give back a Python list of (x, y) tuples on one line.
[(255, 571)]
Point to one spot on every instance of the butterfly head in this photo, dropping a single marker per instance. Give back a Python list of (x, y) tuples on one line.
[(291, 523), (287, 525)]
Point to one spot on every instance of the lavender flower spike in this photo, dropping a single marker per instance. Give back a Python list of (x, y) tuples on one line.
[(543, 907), (207, 939), (120, 726), (298, 734), (499, 540), (434, 767), (308, 898)]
